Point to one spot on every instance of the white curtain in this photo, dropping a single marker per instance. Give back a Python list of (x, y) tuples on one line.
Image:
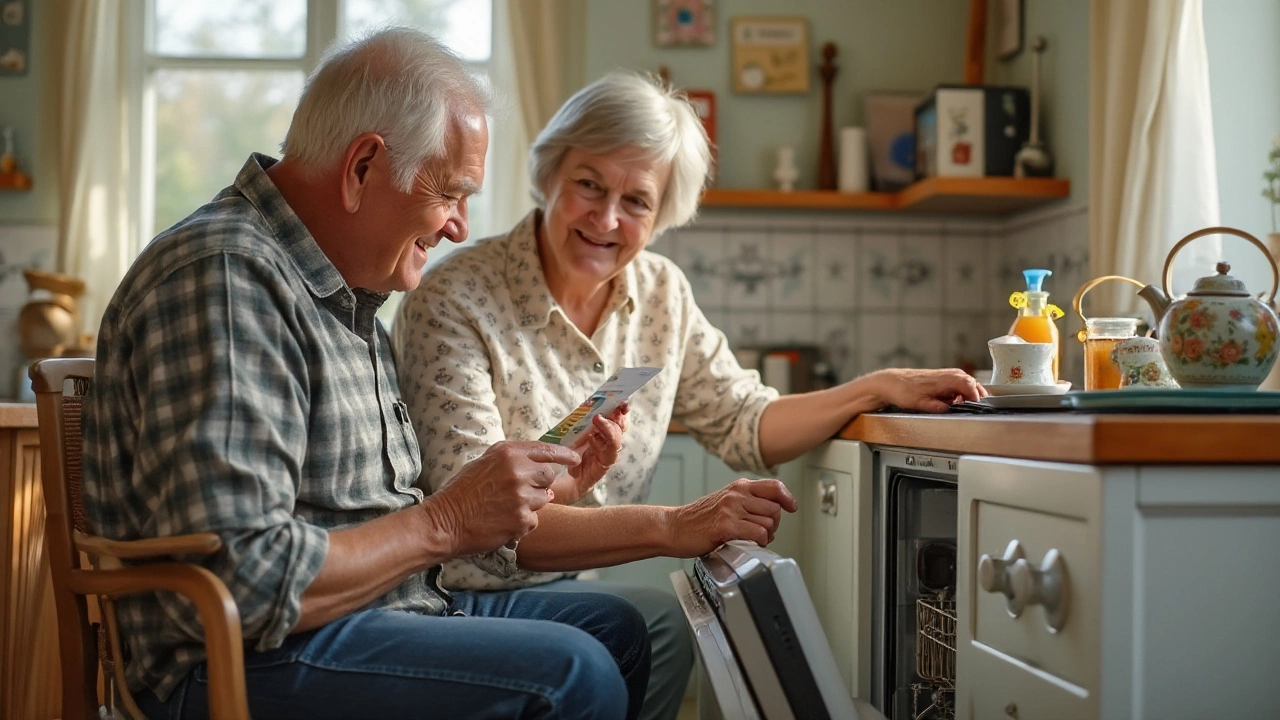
[(1153, 176), (97, 226), (538, 64)]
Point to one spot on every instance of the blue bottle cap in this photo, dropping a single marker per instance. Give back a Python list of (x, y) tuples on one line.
[(1035, 278)]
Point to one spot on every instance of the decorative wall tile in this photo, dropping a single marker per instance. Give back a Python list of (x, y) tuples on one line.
[(964, 341), (746, 329), (921, 334), (880, 343), (699, 253), (836, 280), (878, 284), (748, 271), (964, 273), (793, 270), (792, 328), (837, 335), (920, 271), (667, 244)]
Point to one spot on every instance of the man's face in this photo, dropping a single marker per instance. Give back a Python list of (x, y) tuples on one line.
[(403, 226)]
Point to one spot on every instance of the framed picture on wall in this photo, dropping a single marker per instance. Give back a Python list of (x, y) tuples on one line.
[(684, 22), (770, 54), (1007, 23)]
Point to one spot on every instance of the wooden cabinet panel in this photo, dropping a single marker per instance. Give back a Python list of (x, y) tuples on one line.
[(30, 686)]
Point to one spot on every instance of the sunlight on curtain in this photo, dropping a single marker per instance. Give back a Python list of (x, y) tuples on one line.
[(1153, 173), (97, 230)]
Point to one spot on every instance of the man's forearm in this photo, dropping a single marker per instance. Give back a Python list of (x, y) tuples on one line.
[(576, 538), (367, 561)]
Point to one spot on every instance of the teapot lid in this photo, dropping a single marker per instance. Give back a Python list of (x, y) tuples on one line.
[(1220, 284)]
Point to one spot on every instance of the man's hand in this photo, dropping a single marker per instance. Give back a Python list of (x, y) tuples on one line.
[(599, 448), (743, 510), (926, 390), (496, 497)]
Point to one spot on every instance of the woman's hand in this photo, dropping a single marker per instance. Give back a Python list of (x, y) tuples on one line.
[(742, 510), (599, 448), (926, 390)]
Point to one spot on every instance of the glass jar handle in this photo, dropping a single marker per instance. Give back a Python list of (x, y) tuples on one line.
[(1082, 333), (1221, 230)]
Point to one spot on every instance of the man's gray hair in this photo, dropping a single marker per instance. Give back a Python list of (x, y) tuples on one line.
[(398, 82), (626, 109)]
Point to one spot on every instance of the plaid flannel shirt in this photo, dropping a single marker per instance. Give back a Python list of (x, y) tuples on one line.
[(242, 388)]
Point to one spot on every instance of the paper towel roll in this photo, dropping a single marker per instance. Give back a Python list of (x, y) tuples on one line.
[(853, 160)]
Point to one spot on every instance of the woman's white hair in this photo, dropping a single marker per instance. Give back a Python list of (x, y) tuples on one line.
[(627, 109), (398, 82)]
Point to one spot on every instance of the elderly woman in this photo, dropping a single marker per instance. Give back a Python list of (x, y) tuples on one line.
[(505, 337)]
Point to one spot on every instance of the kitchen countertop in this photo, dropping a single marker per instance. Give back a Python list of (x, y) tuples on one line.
[(17, 415), (1081, 438)]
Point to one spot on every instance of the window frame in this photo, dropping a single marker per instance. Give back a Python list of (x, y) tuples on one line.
[(324, 25)]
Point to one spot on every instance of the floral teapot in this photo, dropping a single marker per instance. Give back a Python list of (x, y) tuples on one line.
[(1218, 336)]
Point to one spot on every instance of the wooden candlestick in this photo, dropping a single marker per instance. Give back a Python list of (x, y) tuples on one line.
[(826, 149)]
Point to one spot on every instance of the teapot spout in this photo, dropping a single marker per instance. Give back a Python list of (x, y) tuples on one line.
[(1158, 301)]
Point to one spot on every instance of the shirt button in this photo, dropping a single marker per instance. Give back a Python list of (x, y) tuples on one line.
[(598, 367)]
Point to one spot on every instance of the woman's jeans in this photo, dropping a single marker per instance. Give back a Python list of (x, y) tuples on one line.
[(522, 654)]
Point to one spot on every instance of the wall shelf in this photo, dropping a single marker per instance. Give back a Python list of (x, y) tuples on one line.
[(956, 196), (15, 181)]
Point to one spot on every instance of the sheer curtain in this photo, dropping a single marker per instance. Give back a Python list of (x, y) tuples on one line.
[(97, 224), (538, 62), (1153, 174)]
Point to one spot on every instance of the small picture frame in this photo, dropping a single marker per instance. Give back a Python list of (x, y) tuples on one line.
[(1007, 24), (687, 23), (770, 54)]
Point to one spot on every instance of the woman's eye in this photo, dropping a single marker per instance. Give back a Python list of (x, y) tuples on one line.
[(589, 185), (638, 203)]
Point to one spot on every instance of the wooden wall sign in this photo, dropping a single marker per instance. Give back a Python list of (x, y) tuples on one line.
[(770, 54)]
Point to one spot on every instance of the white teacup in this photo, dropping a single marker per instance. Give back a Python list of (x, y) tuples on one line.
[(1018, 362), (1142, 365)]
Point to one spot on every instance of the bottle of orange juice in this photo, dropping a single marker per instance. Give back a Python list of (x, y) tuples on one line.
[(1034, 322)]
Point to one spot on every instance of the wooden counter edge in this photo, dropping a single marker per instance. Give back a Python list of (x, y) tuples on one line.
[(17, 415), (1079, 438)]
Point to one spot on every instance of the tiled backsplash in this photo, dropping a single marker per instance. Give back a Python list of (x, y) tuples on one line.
[(21, 247), (878, 291)]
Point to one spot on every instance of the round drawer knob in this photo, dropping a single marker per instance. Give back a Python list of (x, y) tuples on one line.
[(1047, 586), (994, 575)]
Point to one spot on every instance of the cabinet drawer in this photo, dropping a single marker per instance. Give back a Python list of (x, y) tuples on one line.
[(1068, 652), (1009, 690)]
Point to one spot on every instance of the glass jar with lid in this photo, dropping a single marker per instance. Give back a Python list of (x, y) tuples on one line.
[(1101, 336)]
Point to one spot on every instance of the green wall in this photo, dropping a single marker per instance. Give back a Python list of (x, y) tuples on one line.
[(24, 104), (899, 45)]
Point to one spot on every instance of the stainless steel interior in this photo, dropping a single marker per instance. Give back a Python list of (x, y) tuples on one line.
[(914, 541)]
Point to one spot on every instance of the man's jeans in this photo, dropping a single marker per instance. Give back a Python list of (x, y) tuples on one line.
[(521, 654)]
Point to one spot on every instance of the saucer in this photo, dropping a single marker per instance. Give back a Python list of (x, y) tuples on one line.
[(1060, 388)]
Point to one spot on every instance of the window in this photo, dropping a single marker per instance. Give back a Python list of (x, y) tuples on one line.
[(221, 79)]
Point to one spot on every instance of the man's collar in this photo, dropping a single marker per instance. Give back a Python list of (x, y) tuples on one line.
[(528, 284)]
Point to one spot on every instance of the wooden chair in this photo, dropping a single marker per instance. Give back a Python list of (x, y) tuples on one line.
[(67, 536)]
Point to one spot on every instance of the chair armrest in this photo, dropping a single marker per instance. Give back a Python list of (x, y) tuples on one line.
[(196, 544), (218, 614)]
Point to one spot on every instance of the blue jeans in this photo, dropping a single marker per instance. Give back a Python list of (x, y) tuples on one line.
[(669, 637), (520, 654)]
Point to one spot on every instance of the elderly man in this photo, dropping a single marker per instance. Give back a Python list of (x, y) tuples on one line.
[(244, 387)]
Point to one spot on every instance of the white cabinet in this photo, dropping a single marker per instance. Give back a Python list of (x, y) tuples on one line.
[(1118, 591), (835, 559)]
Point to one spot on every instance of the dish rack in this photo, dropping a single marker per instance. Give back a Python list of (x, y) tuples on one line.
[(935, 657), (936, 637)]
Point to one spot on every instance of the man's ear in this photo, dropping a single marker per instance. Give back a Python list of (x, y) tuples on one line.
[(366, 156)]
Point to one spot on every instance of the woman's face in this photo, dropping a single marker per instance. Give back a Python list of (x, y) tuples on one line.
[(600, 212)]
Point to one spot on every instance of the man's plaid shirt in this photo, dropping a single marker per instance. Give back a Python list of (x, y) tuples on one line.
[(242, 388)]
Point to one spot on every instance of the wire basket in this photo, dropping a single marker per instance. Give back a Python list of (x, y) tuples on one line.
[(936, 637)]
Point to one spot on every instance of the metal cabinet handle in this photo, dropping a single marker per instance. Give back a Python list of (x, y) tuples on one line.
[(1048, 586), (994, 575), (827, 497)]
